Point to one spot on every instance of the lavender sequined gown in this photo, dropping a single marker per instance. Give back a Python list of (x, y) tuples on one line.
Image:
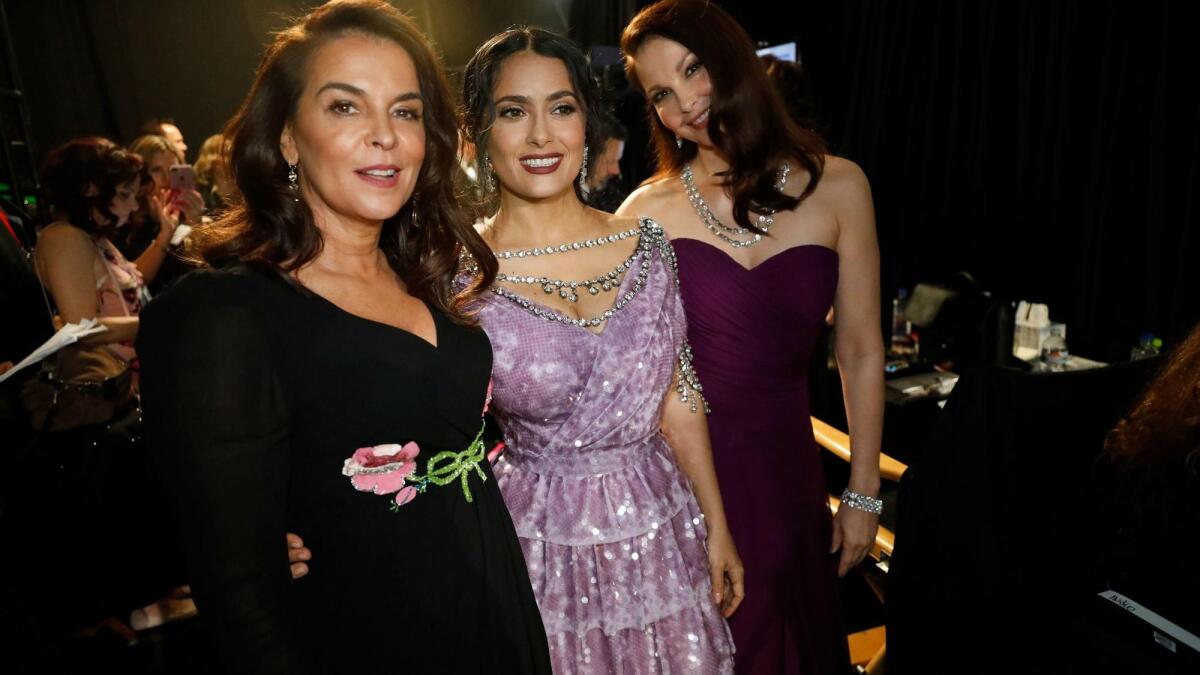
[(611, 533)]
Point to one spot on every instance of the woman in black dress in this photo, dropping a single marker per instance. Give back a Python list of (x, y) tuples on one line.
[(320, 378)]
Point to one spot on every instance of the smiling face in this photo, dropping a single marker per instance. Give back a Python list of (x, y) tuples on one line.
[(677, 86), (357, 133), (536, 142)]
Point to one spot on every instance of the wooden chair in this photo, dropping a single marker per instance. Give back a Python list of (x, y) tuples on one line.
[(868, 648)]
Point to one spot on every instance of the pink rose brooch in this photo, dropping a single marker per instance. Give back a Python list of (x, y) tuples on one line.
[(391, 468)]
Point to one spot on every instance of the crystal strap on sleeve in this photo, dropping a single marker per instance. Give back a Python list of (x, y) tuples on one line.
[(688, 385), (862, 502)]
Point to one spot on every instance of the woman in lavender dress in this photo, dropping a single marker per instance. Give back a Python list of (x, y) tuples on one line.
[(769, 232), (602, 416)]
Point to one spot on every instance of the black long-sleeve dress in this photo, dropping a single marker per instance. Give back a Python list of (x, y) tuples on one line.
[(255, 395)]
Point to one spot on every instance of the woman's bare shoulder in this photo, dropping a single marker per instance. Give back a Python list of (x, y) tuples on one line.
[(649, 198)]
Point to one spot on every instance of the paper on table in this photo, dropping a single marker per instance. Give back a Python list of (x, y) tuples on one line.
[(68, 335)]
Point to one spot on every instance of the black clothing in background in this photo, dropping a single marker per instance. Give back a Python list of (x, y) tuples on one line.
[(255, 393), (994, 532)]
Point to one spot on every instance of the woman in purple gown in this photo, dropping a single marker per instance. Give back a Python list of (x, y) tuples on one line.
[(608, 472), (769, 233)]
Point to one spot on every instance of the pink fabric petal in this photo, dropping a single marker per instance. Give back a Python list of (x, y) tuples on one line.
[(487, 402), (380, 483), (406, 495)]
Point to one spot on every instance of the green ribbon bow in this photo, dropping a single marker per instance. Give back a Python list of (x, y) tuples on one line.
[(448, 466)]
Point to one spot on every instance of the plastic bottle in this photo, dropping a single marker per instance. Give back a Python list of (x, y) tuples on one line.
[(901, 327), (1054, 351), (1148, 346)]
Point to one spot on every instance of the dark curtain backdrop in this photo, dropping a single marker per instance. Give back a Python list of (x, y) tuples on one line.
[(103, 67), (1049, 148)]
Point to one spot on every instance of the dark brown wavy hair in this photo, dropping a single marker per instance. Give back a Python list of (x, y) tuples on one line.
[(73, 168), (750, 126), (267, 228)]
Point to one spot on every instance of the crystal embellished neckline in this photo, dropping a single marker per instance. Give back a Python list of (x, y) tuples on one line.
[(650, 236), (563, 248), (724, 232)]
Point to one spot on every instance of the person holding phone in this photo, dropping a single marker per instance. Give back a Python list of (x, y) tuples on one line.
[(170, 207)]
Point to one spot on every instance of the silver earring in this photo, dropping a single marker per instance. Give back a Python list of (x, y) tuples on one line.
[(293, 181), (583, 186), (412, 213), (679, 142), (488, 178)]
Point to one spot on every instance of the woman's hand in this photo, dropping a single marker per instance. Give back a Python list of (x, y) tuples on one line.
[(168, 217), (297, 554), (854, 533), (726, 572), (190, 205)]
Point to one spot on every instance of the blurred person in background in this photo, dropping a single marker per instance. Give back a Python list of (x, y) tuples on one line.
[(213, 180), (167, 128)]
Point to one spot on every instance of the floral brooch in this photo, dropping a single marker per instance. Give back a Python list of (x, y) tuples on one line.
[(391, 468)]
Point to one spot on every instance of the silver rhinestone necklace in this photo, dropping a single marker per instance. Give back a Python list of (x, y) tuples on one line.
[(563, 248), (568, 290), (724, 232), (650, 236)]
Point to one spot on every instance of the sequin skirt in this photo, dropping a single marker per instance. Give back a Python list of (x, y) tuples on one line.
[(618, 567)]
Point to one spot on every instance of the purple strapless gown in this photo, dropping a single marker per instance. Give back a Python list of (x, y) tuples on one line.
[(611, 532), (752, 332)]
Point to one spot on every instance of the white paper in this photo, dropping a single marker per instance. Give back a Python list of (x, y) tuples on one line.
[(181, 232), (68, 335)]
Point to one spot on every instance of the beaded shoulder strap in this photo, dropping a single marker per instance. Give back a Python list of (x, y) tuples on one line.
[(687, 386)]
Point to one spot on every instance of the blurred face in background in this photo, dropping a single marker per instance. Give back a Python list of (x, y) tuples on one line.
[(122, 206), (158, 166), (607, 164), (173, 134)]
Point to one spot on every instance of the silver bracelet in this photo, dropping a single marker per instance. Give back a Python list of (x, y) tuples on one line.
[(862, 502)]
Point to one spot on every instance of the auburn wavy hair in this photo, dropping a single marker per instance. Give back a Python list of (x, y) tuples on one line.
[(267, 228), (751, 127), (1162, 432), (81, 177)]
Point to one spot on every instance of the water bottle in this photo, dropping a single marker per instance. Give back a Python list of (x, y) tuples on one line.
[(1147, 347), (1054, 351), (901, 327)]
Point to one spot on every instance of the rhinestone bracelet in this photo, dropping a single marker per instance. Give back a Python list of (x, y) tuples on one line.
[(862, 502)]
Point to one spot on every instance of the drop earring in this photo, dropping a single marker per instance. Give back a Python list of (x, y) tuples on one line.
[(412, 213), (679, 142), (294, 181), (583, 186), (487, 175)]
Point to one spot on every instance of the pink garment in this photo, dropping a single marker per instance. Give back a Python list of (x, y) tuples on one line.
[(120, 291)]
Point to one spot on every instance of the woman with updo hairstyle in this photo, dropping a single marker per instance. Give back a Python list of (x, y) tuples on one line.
[(770, 232), (320, 377), (91, 187)]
